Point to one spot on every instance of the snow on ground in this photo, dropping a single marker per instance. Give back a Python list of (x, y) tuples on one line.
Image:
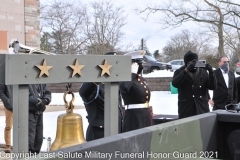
[(161, 73)]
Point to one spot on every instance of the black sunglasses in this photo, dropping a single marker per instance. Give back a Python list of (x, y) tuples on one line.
[(225, 61)]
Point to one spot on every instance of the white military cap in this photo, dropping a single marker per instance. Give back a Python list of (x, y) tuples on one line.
[(136, 54), (13, 47)]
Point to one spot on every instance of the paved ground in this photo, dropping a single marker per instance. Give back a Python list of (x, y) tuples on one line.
[(50, 108)]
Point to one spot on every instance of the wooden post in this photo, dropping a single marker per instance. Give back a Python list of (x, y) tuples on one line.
[(20, 118), (20, 71), (111, 109)]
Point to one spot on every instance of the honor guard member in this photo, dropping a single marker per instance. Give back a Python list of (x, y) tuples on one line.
[(193, 84), (92, 94), (136, 95)]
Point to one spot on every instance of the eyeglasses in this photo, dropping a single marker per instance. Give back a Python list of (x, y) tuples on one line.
[(225, 61)]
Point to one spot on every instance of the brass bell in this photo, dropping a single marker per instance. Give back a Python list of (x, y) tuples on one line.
[(69, 127)]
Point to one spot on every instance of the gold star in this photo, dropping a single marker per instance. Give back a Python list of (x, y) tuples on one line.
[(105, 68), (44, 69), (76, 68)]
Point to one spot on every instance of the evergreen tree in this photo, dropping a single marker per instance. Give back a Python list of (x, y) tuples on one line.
[(143, 46)]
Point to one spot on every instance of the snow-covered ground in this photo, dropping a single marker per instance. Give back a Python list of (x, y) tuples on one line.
[(161, 73), (163, 102)]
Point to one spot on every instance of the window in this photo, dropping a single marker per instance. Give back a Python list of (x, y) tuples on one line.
[(150, 58), (178, 62)]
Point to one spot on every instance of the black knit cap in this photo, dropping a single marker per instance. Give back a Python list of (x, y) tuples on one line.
[(189, 56)]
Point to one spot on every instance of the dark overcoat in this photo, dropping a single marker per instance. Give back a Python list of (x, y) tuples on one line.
[(6, 95), (238, 88), (193, 91), (35, 121), (223, 95), (41, 92)]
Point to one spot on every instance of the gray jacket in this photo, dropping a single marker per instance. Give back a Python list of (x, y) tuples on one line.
[(6, 95)]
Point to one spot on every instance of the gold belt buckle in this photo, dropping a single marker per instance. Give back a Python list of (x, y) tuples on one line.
[(146, 104)]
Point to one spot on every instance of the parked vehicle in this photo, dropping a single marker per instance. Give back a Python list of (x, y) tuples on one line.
[(177, 63), (151, 64), (168, 66), (237, 68)]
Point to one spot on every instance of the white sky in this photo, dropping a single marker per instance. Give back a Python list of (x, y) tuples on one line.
[(136, 28)]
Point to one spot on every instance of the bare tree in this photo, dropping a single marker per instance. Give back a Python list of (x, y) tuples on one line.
[(104, 23), (216, 13), (45, 44), (232, 37), (184, 41), (65, 24)]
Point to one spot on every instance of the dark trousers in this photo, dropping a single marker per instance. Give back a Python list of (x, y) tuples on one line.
[(35, 132), (94, 133), (136, 119)]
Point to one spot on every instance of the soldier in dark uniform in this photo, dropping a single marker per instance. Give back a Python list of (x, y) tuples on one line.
[(136, 96), (93, 97)]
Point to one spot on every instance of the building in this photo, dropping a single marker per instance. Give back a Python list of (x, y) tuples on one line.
[(19, 19)]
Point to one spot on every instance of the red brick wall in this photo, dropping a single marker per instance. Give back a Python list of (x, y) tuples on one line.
[(159, 84), (155, 84), (61, 87), (32, 23)]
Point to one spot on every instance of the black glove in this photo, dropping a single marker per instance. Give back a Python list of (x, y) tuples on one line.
[(44, 101), (209, 68), (41, 104), (191, 66)]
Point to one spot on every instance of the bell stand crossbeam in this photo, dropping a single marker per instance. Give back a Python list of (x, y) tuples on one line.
[(20, 70)]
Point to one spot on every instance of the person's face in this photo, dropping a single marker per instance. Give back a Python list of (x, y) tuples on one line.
[(223, 60), (189, 62)]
